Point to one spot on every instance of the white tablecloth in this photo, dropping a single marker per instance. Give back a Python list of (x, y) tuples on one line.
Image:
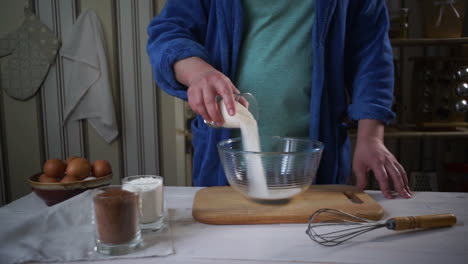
[(64, 232), (200, 243)]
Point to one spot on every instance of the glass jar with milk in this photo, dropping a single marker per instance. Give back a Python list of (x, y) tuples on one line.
[(247, 102)]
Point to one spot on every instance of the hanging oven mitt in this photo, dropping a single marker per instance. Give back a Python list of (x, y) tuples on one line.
[(29, 51)]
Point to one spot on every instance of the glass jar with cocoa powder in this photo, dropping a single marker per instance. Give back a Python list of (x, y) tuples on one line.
[(116, 220)]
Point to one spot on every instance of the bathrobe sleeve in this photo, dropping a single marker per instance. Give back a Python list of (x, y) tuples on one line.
[(369, 62), (177, 33)]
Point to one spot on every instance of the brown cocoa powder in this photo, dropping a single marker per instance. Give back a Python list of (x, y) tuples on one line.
[(116, 213)]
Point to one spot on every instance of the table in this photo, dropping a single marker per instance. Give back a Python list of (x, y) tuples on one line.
[(199, 243)]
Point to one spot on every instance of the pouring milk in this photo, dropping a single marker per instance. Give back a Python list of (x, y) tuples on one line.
[(244, 120)]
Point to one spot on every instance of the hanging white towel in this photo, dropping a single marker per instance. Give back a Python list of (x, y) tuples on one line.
[(87, 85)]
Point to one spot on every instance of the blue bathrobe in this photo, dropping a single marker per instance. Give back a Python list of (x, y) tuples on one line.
[(352, 77)]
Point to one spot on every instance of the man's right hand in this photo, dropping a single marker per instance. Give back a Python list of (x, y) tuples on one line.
[(205, 84)]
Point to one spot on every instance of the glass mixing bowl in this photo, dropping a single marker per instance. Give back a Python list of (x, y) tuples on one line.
[(284, 168)]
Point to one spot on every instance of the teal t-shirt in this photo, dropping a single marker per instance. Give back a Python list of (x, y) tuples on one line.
[(275, 64)]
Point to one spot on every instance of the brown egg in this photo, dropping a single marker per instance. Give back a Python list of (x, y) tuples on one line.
[(78, 168), (101, 168), (70, 159), (68, 178), (45, 179), (54, 168)]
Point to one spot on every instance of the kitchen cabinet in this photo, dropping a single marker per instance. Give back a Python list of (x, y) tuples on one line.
[(428, 74), (433, 152), (428, 42)]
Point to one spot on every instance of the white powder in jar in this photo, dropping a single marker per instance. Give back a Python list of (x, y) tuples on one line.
[(151, 197)]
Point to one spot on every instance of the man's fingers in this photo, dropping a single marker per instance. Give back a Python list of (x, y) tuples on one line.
[(224, 88), (196, 102), (398, 183), (200, 109), (382, 178), (211, 105), (403, 176), (234, 89), (243, 102), (361, 177)]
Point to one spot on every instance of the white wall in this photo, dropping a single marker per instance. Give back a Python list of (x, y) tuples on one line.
[(32, 131), (20, 126)]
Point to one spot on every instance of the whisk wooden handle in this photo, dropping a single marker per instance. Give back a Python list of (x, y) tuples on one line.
[(422, 221)]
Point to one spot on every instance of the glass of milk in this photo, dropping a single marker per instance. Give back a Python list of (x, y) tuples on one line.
[(245, 99), (151, 191)]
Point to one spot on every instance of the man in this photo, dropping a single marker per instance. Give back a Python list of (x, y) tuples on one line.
[(203, 49)]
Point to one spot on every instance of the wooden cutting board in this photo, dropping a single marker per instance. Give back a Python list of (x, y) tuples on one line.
[(226, 206)]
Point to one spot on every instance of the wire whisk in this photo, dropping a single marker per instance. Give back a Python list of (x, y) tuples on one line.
[(339, 226)]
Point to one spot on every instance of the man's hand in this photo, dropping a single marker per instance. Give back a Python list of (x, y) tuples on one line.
[(372, 155), (204, 84)]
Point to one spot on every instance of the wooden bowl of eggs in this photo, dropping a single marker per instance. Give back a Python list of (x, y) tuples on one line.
[(63, 179)]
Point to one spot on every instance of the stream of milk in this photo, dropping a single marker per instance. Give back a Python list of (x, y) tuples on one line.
[(244, 120)]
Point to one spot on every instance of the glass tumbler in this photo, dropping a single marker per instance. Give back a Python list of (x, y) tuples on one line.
[(116, 220), (150, 189), (246, 99)]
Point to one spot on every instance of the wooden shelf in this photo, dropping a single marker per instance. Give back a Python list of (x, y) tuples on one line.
[(420, 134), (428, 42), (410, 134)]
